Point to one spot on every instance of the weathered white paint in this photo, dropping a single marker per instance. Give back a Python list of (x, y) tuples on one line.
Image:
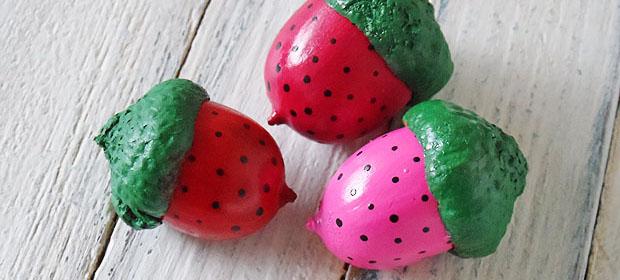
[(547, 72), (65, 67), (227, 58), (605, 258)]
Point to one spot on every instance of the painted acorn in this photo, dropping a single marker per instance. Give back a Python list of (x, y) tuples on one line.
[(339, 69), (446, 182), (198, 166)]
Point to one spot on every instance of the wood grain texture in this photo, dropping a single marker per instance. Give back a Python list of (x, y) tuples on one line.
[(546, 72), (65, 67), (227, 57), (605, 257)]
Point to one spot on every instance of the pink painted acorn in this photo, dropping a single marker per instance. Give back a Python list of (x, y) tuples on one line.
[(446, 182)]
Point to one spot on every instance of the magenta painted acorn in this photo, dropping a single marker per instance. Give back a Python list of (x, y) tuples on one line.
[(446, 182)]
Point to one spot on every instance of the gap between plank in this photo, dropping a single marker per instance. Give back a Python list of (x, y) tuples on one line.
[(600, 198), (192, 35), (109, 227)]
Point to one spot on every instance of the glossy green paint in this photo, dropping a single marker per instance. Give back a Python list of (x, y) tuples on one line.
[(473, 169), (406, 34), (145, 145)]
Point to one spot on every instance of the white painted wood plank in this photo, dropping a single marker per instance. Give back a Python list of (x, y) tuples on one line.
[(227, 57), (605, 257), (65, 67), (547, 72)]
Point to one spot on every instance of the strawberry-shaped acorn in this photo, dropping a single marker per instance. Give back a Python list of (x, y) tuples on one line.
[(446, 182), (339, 69), (200, 167)]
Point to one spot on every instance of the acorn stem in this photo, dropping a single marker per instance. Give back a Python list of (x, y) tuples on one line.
[(276, 119), (287, 195)]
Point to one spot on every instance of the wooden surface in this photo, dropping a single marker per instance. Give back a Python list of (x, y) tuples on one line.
[(605, 256), (546, 71)]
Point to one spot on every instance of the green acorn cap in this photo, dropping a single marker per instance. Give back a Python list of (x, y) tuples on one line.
[(474, 170), (145, 145), (406, 35)]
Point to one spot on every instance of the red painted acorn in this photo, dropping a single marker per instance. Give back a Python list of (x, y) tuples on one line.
[(203, 168), (340, 69)]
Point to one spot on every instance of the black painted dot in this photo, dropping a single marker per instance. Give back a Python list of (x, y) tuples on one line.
[(367, 167), (340, 176), (422, 252), (394, 148), (375, 73), (346, 69), (219, 172), (218, 134), (243, 159), (350, 96), (394, 218), (191, 158), (293, 113), (315, 59), (371, 206), (287, 88), (307, 79), (339, 136), (353, 192), (262, 142), (266, 188), (373, 100), (395, 179), (235, 228), (241, 192), (426, 229), (371, 47), (274, 161), (310, 6), (339, 222), (398, 240), (278, 45), (246, 125), (293, 27), (310, 132), (350, 258), (359, 153), (278, 68), (360, 120), (260, 211), (333, 41), (397, 259), (424, 198), (416, 159), (372, 261), (327, 93), (214, 113), (383, 108), (199, 221), (184, 189), (315, 18), (308, 111), (215, 205), (364, 237), (333, 118), (295, 48)]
